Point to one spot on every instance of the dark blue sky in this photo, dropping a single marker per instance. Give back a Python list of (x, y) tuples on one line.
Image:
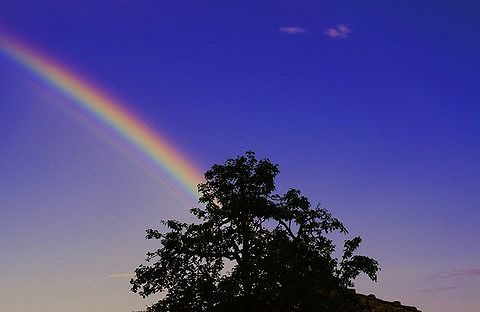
[(380, 123)]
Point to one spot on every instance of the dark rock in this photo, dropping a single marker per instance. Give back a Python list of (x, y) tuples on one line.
[(377, 305)]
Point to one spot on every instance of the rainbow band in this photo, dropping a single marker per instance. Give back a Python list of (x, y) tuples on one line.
[(108, 111)]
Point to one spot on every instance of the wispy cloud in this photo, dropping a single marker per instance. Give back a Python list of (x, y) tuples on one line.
[(455, 275), (438, 289), (341, 31), (120, 276), (292, 30)]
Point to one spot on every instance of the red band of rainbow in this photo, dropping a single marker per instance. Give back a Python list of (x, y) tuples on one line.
[(109, 111)]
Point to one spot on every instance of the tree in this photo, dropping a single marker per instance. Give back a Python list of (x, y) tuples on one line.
[(251, 250)]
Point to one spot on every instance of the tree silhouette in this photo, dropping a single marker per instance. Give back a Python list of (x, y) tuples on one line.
[(252, 250)]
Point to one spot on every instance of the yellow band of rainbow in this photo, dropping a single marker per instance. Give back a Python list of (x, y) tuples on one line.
[(109, 111)]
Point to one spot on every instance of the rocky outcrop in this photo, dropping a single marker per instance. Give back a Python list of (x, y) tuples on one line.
[(377, 305)]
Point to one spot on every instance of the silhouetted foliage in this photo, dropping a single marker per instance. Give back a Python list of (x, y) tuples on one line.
[(252, 250)]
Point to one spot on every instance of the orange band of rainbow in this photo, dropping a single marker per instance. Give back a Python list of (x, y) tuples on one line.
[(108, 111)]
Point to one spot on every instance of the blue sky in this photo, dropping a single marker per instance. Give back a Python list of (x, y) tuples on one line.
[(370, 107)]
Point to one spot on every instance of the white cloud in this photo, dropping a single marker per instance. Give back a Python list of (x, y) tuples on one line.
[(341, 31), (438, 289), (456, 274), (120, 275), (292, 30)]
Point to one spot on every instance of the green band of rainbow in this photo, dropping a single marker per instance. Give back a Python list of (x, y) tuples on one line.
[(108, 111)]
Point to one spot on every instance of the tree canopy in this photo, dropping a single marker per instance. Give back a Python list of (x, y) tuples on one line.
[(251, 250)]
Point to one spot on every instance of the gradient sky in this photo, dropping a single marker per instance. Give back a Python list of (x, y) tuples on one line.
[(371, 107)]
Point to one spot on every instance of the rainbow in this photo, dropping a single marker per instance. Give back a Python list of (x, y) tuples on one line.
[(107, 110)]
